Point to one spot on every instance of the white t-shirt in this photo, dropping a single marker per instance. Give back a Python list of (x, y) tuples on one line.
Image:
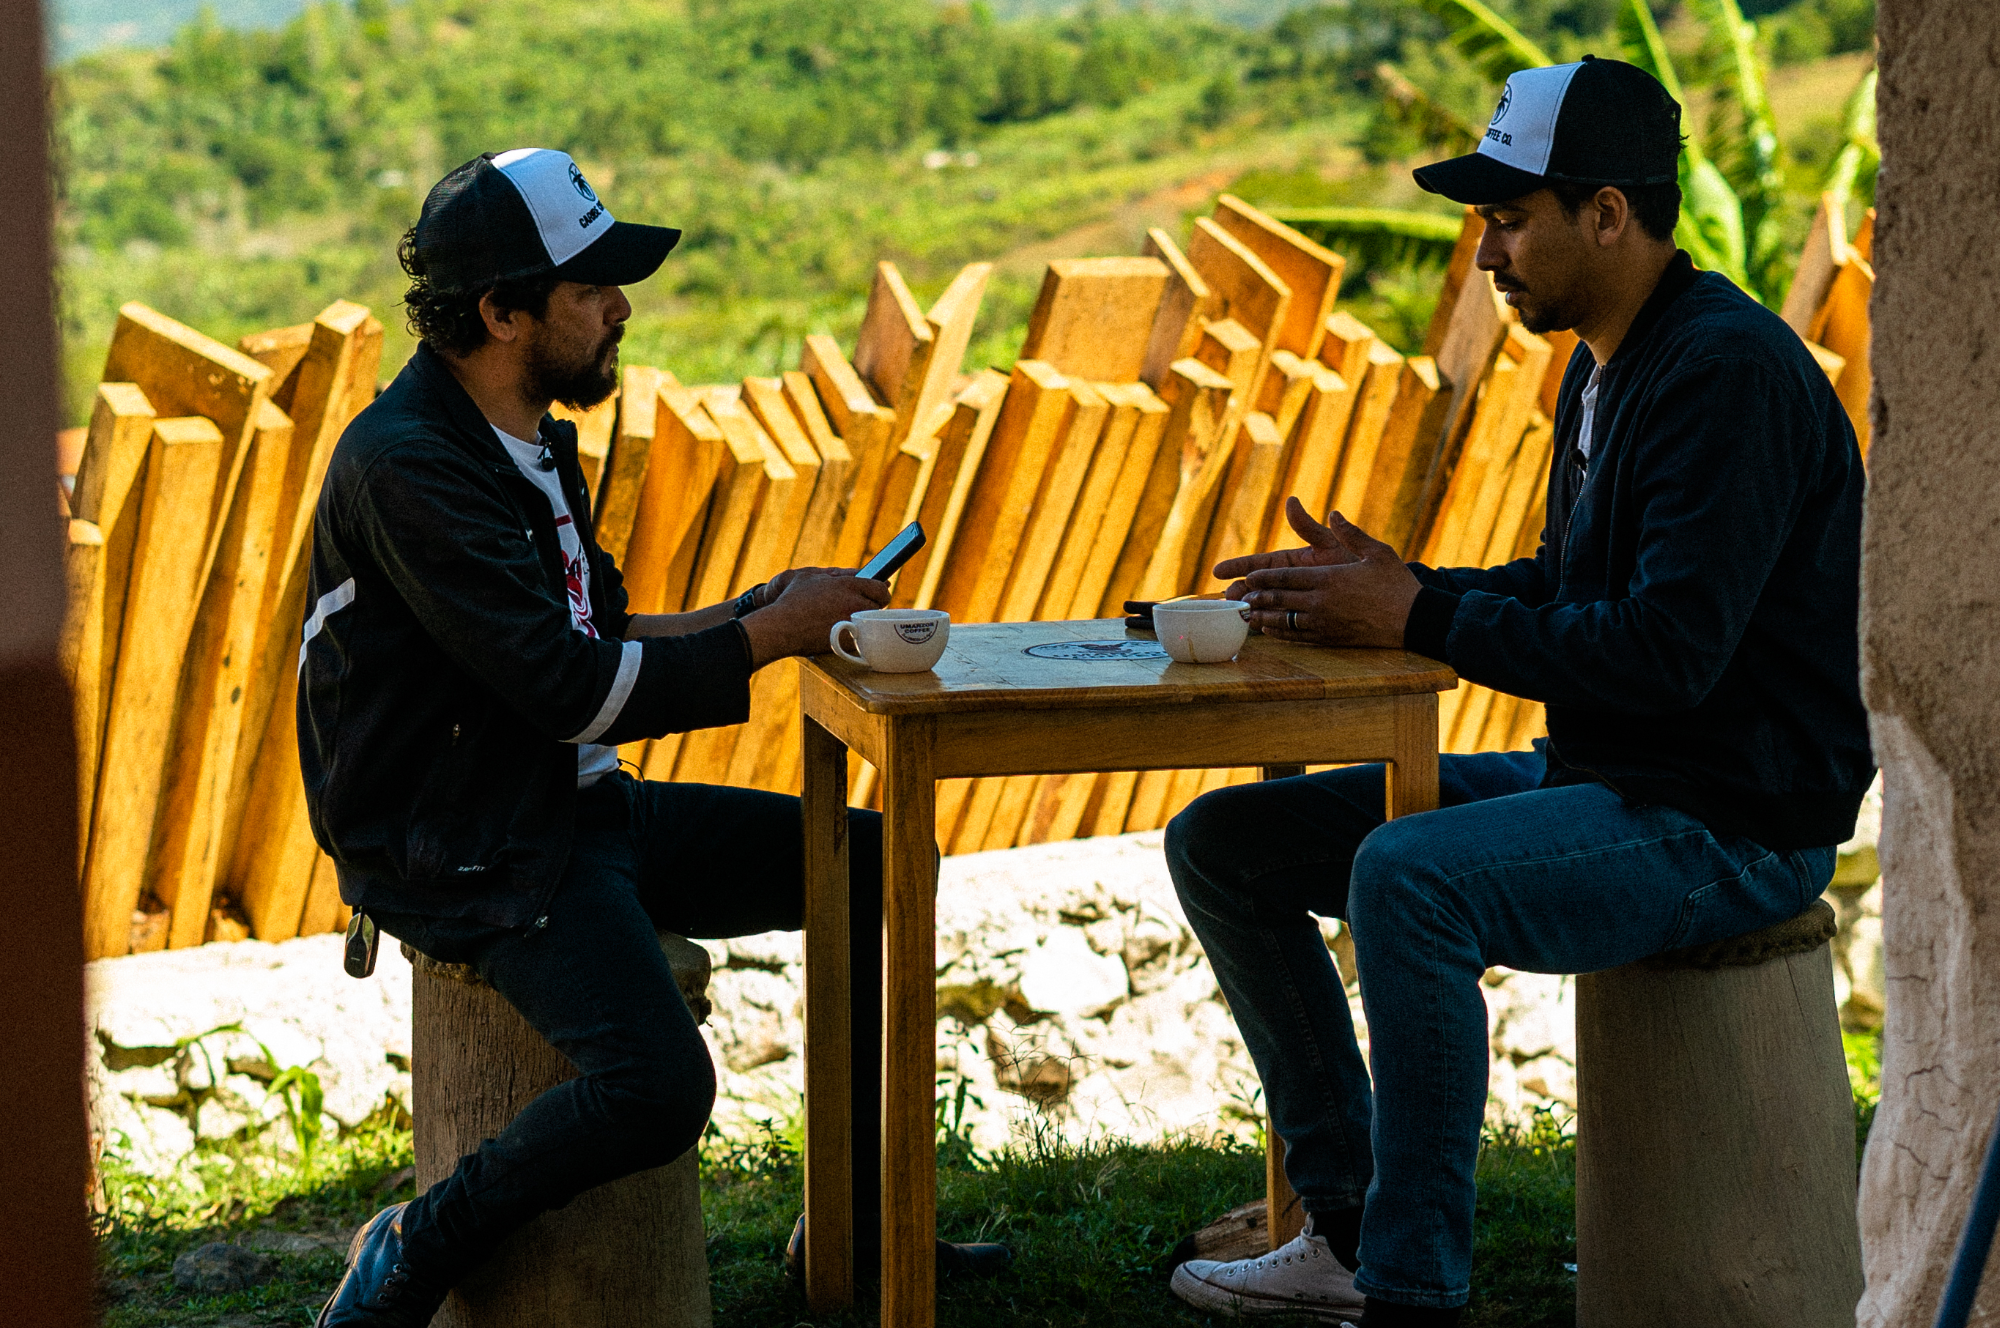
[(1584, 441), (593, 760)]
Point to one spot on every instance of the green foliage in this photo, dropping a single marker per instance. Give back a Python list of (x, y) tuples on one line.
[(1377, 237), (1494, 46), (1734, 203), (1524, 1229), (1859, 156), (342, 102), (1744, 140), (1814, 29), (305, 1105), (1864, 1073), (145, 1222), (1089, 1223)]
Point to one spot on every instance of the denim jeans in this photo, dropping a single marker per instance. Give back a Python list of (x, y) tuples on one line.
[(1559, 880), (695, 859)]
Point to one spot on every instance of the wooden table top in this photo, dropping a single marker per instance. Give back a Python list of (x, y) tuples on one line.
[(987, 667)]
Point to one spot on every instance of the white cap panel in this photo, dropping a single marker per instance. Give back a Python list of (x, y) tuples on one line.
[(1523, 130), (566, 209)]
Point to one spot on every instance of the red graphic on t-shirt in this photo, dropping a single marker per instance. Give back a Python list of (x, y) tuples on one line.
[(579, 594)]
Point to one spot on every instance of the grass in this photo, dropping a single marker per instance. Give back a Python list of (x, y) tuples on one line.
[(1089, 1222), (1089, 1225), (230, 1190)]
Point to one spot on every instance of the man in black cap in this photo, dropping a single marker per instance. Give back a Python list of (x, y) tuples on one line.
[(1689, 621), (468, 671)]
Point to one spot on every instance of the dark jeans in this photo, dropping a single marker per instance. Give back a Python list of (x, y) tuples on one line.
[(695, 859), (1560, 880)]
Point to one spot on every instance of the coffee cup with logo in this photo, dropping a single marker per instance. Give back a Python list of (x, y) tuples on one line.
[(893, 640), (1202, 631)]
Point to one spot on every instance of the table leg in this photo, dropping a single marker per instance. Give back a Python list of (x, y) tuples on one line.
[(829, 1160), (909, 1023), (1283, 1217), (1413, 770)]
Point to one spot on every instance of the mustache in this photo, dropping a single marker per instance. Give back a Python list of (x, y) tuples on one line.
[(1507, 285)]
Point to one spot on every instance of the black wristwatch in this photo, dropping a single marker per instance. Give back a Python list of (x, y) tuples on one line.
[(747, 601)]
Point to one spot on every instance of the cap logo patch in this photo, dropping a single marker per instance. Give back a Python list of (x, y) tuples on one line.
[(567, 211), (1530, 106)]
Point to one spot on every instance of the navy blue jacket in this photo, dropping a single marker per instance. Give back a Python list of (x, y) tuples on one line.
[(1690, 619)]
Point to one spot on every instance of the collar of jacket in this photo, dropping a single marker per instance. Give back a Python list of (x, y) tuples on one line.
[(442, 385), (1674, 282)]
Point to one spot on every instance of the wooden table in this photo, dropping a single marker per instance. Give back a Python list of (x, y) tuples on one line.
[(989, 708)]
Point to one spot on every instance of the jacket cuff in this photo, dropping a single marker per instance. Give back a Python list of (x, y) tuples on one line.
[(1429, 624), (697, 681)]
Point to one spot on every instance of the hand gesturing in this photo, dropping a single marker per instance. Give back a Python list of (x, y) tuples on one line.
[(1345, 588)]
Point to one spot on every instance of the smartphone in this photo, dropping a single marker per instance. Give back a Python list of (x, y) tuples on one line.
[(895, 553)]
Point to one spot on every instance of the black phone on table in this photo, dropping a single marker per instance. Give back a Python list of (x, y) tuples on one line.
[(895, 553)]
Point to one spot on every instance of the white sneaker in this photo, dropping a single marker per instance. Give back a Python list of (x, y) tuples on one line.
[(1299, 1278)]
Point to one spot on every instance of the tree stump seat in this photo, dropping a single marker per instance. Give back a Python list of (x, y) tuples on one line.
[(631, 1254), (1715, 1138)]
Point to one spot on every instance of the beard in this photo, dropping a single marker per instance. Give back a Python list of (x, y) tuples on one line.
[(1539, 315), (578, 378)]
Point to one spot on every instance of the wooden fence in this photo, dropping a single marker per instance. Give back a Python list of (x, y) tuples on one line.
[(1160, 410)]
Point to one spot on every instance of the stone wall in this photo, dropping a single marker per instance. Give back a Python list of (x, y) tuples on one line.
[(1072, 998), (1931, 643)]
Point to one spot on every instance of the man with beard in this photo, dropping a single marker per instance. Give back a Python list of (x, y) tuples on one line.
[(1689, 620), (468, 671)]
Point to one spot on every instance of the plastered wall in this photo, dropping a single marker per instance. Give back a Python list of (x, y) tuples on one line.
[(1931, 643)]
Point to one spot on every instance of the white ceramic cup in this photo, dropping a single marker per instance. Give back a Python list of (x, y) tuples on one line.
[(893, 640), (1202, 631)]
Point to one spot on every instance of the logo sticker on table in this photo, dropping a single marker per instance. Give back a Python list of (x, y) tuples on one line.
[(1098, 650)]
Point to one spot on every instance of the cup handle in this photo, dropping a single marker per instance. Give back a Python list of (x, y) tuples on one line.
[(833, 640)]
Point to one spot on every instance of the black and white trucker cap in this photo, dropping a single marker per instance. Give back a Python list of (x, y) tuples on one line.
[(507, 215), (1592, 122)]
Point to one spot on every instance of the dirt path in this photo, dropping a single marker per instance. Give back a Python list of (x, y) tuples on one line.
[(1124, 231)]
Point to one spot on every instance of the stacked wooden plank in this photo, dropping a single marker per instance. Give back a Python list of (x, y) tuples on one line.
[(1161, 410), (189, 515), (1827, 305)]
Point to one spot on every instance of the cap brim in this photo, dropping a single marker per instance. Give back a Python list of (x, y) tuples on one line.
[(626, 254), (1477, 180)]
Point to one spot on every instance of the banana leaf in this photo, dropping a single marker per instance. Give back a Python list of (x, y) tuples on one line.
[(1493, 45), (1711, 227), (1376, 239), (1861, 150), (1437, 125), (1743, 141)]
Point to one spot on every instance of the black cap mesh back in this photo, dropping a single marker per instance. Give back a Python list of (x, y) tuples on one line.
[(1617, 126), (475, 230)]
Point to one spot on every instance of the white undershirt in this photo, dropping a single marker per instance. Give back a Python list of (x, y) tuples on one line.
[(593, 760), (1584, 441)]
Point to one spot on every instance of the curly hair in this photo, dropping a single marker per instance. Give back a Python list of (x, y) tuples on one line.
[(449, 321)]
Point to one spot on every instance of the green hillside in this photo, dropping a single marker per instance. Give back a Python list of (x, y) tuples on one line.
[(244, 179)]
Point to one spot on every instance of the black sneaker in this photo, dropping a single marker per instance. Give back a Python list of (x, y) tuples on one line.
[(969, 1260), (378, 1290)]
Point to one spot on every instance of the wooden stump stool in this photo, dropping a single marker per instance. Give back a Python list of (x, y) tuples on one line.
[(1715, 1178), (630, 1254)]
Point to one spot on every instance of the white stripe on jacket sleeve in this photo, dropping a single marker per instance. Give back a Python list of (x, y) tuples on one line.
[(332, 602), (621, 690)]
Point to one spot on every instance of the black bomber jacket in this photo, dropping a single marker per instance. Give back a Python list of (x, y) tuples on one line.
[(1690, 617), (442, 686)]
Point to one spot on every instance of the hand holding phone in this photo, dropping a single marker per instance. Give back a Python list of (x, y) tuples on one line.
[(894, 554)]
